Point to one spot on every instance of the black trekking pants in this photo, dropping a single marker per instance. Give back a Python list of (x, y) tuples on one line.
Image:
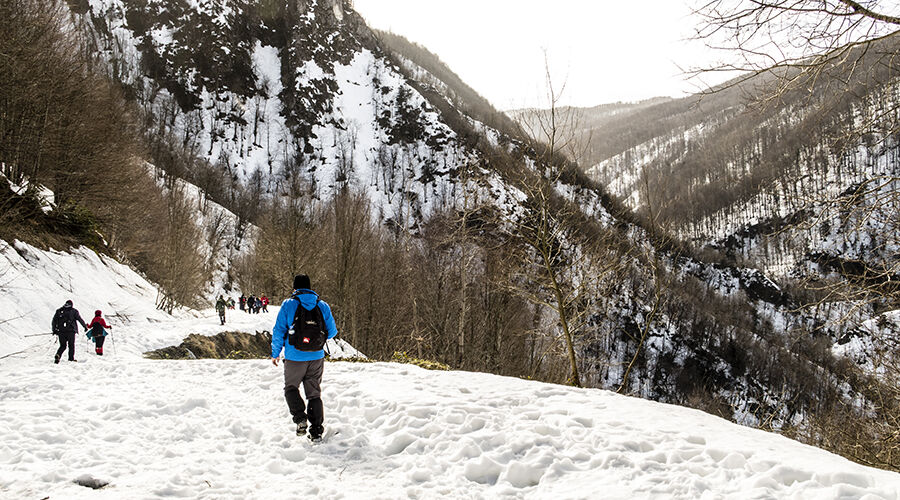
[(66, 340), (308, 373)]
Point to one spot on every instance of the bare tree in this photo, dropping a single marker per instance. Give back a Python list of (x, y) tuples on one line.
[(351, 236), (798, 44), (182, 271), (553, 249), (282, 247)]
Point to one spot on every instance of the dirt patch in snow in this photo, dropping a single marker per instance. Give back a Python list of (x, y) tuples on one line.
[(227, 345)]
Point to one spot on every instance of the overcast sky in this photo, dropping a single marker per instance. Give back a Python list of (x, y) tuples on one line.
[(606, 50)]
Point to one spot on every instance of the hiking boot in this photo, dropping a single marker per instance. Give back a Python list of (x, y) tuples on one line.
[(301, 428), (315, 433), (56, 359)]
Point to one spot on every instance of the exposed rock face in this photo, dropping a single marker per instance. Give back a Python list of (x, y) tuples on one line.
[(228, 345), (263, 90)]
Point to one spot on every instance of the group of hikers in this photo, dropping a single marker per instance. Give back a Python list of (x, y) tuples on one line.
[(251, 304), (65, 326), (254, 304), (303, 326)]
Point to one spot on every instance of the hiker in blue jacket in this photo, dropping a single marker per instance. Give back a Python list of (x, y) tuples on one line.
[(304, 324)]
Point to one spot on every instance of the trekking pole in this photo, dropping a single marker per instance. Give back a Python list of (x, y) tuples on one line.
[(52, 345), (13, 354), (113, 341), (38, 335)]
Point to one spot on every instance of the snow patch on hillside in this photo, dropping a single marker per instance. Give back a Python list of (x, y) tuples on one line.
[(622, 173), (45, 196), (34, 283), (873, 345)]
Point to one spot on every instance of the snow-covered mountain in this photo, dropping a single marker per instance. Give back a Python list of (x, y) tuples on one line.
[(807, 178), (262, 90)]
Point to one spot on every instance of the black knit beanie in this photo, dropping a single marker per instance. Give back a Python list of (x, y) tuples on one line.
[(301, 281)]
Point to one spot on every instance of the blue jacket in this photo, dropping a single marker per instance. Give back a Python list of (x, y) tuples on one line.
[(286, 319)]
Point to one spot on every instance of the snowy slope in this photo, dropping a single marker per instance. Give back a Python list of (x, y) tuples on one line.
[(34, 283), (220, 429), (312, 92)]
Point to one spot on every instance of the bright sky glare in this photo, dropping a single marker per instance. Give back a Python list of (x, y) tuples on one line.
[(605, 50)]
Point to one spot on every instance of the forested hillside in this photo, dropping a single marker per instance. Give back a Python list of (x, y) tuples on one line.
[(802, 187), (432, 224), (793, 171)]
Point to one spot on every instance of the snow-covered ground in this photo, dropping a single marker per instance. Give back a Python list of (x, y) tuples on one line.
[(221, 429)]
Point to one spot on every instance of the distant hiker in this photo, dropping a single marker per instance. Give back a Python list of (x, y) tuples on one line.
[(251, 304), (304, 324), (265, 303), (220, 308), (230, 303), (257, 305), (97, 331), (65, 325), (242, 302)]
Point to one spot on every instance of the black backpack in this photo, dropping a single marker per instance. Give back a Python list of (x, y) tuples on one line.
[(61, 321), (308, 331)]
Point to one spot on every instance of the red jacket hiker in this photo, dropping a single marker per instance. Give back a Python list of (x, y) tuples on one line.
[(97, 330), (98, 321)]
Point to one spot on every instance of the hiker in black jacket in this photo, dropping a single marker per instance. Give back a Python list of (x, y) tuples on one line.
[(65, 326)]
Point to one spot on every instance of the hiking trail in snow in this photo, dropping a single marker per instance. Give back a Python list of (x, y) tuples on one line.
[(221, 429)]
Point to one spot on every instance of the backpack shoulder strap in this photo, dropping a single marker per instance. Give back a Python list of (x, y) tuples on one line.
[(320, 317), (297, 313)]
